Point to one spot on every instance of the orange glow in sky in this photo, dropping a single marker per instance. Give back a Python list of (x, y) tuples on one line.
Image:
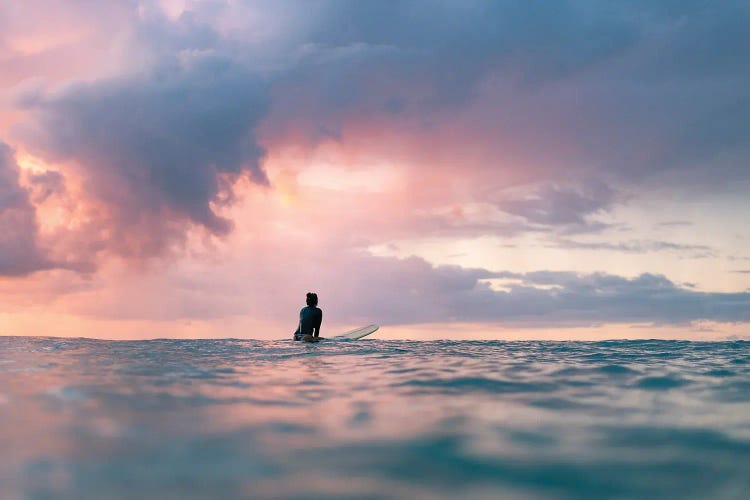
[(179, 169)]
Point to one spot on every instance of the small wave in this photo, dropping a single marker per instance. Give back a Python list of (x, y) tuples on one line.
[(285, 427), (616, 370), (556, 404), (661, 383), (68, 394), (694, 439), (374, 419), (467, 384), (734, 392)]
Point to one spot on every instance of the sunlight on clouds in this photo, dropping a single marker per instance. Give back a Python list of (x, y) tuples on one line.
[(506, 284), (418, 151), (284, 185), (28, 44), (31, 163), (469, 214), (368, 179), (173, 8), (52, 212), (529, 252)]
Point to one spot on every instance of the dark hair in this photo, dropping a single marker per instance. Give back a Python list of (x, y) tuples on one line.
[(312, 299)]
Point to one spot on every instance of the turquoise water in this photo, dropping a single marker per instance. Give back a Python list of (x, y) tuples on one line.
[(373, 419)]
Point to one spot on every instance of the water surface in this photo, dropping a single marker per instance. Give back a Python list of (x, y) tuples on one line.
[(373, 419)]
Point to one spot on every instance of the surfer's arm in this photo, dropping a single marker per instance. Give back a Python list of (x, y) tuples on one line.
[(299, 323), (318, 321)]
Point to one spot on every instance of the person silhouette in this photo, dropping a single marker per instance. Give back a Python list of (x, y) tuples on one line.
[(310, 318)]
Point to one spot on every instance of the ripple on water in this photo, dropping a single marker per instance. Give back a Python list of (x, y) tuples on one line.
[(616, 370), (376, 419), (690, 440), (557, 403), (661, 383), (720, 373), (466, 385)]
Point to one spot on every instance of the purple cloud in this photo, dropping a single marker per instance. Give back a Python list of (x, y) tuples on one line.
[(643, 93), (566, 207), (157, 149), (638, 246), (412, 291), (19, 250), (356, 287)]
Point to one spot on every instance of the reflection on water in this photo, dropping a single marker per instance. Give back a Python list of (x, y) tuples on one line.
[(373, 419)]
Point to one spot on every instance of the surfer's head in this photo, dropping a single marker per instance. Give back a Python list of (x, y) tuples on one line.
[(312, 299)]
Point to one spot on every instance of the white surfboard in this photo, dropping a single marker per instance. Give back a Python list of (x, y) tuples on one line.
[(358, 333)]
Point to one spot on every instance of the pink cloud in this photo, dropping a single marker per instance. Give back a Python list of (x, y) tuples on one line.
[(280, 147)]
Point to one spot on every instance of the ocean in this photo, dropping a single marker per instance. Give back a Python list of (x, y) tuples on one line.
[(183, 419)]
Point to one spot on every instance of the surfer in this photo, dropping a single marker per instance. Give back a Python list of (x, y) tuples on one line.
[(310, 317)]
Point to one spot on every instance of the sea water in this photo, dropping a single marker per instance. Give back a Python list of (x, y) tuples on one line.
[(373, 419)]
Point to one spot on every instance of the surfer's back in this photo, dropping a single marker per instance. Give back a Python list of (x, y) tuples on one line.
[(310, 318)]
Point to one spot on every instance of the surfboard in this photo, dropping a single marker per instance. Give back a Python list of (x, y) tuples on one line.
[(355, 334), (358, 333)]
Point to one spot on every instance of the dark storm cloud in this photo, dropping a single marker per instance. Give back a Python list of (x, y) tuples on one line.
[(535, 38), (564, 206), (19, 252), (674, 109), (412, 291), (462, 40), (158, 149), (410, 58), (649, 92), (704, 38), (193, 30)]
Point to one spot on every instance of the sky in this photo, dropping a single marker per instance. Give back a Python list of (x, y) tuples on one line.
[(499, 169)]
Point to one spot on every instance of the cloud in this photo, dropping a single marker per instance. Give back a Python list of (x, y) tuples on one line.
[(638, 246), (458, 42), (158, 150), (559, 297), (404, 61), (563, 206), (467, 98), (643, 89), (56, 40), (45, 184), (411, 291), (19, 250), (357, 287), (674, 223)]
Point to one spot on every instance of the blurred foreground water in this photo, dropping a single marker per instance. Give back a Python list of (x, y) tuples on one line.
[(182, 419)]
